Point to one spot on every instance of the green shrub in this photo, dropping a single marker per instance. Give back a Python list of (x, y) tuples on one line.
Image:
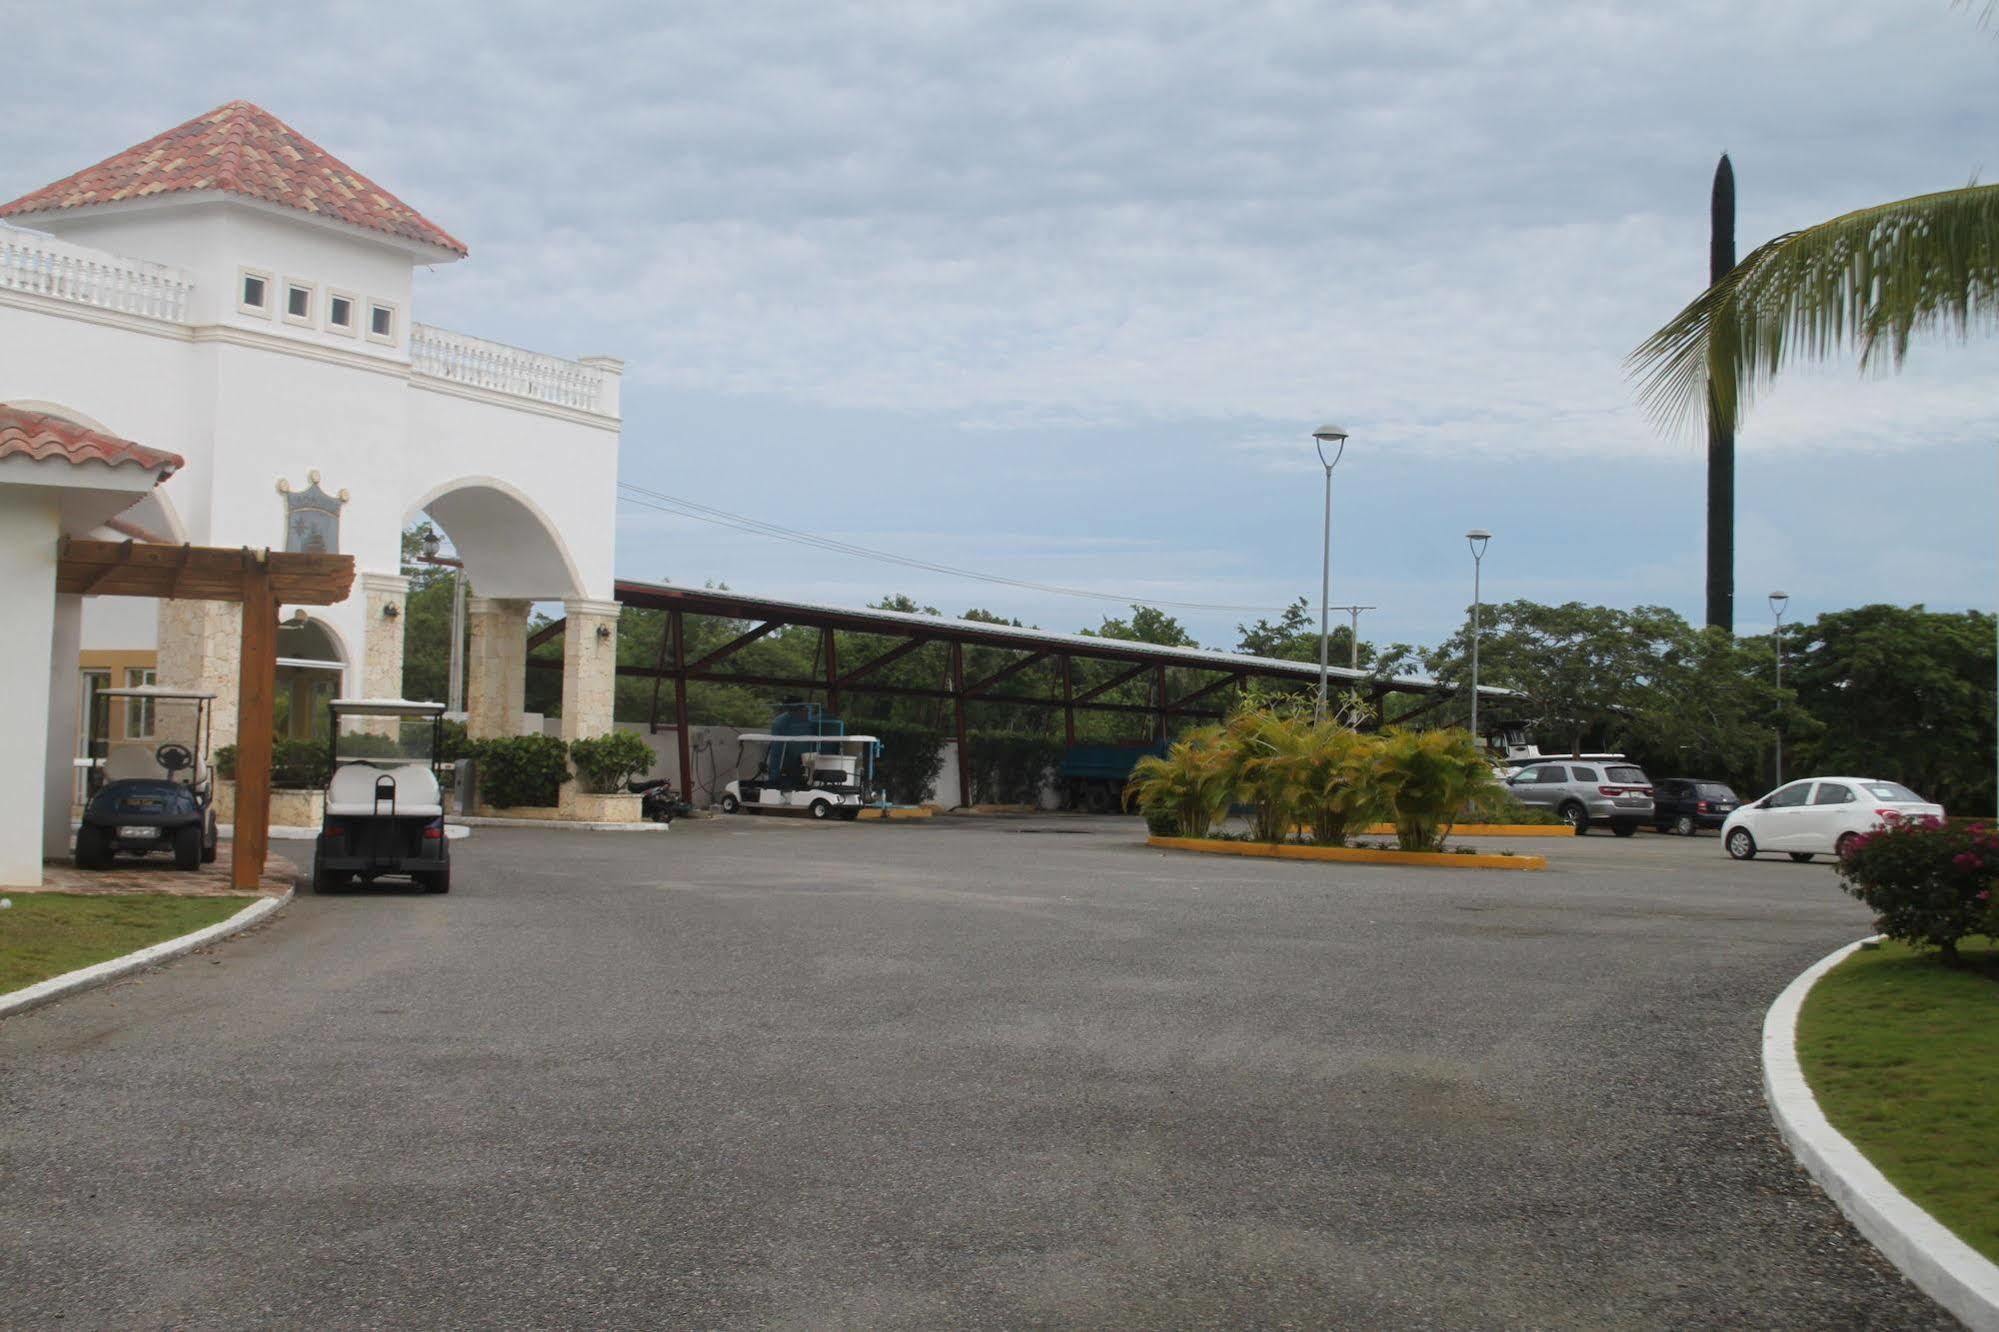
[(1011, 767), (605, 761), (1928, 883), (1497, 805), (1265, 760), (1338, 792), (1425, 778), (296, 765), (912, 756), (522, 770)]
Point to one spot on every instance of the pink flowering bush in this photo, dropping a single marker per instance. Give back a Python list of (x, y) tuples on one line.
[(1928, 884)]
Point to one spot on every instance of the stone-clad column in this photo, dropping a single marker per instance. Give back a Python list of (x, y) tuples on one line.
[(496, 667), (201, 647), (382, 646), (589, 667)]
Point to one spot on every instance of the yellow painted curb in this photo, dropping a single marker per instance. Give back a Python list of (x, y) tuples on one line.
[(897, 813), (996, 809), (1352, 855)]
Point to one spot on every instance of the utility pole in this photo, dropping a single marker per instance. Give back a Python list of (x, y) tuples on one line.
[(1720, 432)]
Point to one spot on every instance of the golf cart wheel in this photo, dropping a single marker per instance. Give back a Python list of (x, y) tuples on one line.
[(438, 880), (187, 847), (850, 812), (1802, 857), (730, 804), (1576, 817), (324, 880), (93, 852), (211, 840), (1684, 825), (1741, 845), (1624, 829), (822, 809)]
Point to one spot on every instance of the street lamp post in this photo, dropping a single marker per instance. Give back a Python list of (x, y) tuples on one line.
[(455, 685), (1778, 600), (1476, 539), (1324, 435)]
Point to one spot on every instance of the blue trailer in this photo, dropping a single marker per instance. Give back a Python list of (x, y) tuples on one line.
[(1092, 777)]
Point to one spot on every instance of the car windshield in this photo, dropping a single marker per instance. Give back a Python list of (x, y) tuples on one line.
[(1894, 793), (366, 739), (1629, 776), (1713, 791)]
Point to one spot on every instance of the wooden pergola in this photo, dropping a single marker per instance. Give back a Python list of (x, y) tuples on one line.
[(258, 580)]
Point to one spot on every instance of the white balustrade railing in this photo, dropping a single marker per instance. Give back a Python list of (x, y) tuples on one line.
[(463, 359), (45, 266)]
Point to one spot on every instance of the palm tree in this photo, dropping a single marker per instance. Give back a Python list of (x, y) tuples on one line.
[(1870, 279)]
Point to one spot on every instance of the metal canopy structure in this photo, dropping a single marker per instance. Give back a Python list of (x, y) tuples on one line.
[(1054, 653), (258, 580)]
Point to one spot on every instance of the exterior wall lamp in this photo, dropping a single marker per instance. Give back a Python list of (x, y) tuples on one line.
[(390, 611), (603, 631)]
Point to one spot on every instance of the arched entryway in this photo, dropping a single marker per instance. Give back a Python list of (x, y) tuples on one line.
[(311, 668)]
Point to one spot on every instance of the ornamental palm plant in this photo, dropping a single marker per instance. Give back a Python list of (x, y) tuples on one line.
[(1338, 793), (1187, 789), (1425, 778), (1267, 756)]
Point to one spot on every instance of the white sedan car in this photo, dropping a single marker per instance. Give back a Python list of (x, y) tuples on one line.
[(1819, 816)]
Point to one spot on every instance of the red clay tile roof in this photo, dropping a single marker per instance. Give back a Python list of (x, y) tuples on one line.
[(240, 148), (39, 435)]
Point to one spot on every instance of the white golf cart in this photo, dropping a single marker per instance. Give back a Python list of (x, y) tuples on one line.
[(833, 776), (384, 804), (155, 791)]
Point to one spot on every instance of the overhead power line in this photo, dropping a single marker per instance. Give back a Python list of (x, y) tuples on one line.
[(707, 513)]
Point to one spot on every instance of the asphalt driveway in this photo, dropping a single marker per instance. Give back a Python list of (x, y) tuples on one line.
[(1021, 1072)]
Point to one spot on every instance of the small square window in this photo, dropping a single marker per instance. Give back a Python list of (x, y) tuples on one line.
[(254, 292), (298, 303), (340, 312), (382, 322)]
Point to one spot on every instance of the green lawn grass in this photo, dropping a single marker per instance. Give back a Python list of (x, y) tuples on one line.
[(46, 934), (1903, 1055)]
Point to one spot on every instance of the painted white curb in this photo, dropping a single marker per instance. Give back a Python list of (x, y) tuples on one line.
[(1943, 1266), (85, 978), (469, 821)]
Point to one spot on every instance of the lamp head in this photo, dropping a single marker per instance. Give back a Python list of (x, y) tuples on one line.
[(1476, 539), (1329, 434), (1778, 600), (430, 543)]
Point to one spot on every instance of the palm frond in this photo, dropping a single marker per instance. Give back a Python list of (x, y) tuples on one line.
[(1871, 279)]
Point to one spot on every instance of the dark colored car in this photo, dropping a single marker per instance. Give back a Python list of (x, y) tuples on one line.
[(1683, 804)]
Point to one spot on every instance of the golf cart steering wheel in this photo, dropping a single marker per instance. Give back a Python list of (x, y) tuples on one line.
[(174, 757)]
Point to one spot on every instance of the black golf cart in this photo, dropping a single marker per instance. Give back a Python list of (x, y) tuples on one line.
[(149, 794), (384, 803)]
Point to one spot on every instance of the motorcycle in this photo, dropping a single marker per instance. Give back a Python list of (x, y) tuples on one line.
[(660, 803)]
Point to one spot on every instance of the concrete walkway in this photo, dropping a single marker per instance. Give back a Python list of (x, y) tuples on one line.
[(960, 1073)]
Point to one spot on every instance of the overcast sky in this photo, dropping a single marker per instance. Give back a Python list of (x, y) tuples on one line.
[(1059, 290)]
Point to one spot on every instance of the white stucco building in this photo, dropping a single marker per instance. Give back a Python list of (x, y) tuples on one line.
[(230, 293)]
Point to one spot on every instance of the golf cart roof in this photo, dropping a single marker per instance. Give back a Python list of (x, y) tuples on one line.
[(386, 707), (155, 691), (811, 739)]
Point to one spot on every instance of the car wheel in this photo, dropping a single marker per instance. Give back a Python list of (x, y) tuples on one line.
[(1624, 829), (1802, 857), (1844, 846), (1741, 845), (822, 809), (187, 847), (730, 804), (1684, 825), (1576, 817), (93, 849)]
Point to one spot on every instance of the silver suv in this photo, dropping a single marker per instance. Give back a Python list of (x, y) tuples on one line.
[(1619, 794)]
